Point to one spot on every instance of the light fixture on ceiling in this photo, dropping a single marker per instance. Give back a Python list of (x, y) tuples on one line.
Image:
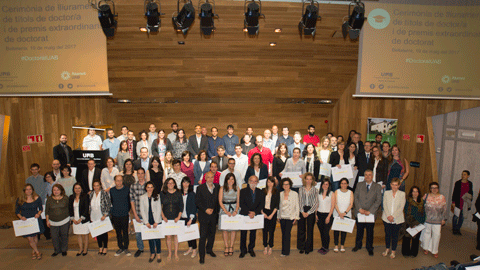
[(106, 16), (278, 30), (325, 101), (124, 101), (183, 19), (152, 12), (253, 12), (353, 22), (207, 14), (273, 44), (308, 23)]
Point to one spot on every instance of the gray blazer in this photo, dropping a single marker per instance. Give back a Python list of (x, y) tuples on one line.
[(370, 200)]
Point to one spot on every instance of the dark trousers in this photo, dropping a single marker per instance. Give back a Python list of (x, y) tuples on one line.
[(391, 235), (155, 246), (207, 232), (336, 234), (410, 245), (46, 233), (60, 237), (286, 227), (360, 229), (324, 229), (269, 228), (102, 240), (192, 243), (457, 222), (243, 240), (121, 228), (305, 232)]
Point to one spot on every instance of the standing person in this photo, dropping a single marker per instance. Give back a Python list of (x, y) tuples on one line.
[(274, 139), (100, 209), (285, 138), (88, 175), (386, 150), (143, 161), (288, 214), (310, 137), (252, 202), (132, 145), (177, 173), (79, 209), (155, 174), (363, 161), (197, 142), (256, 168), (108, 175), (269, 212), (122, 155), (378, 138), (189, 213), (150, 208), (216, 173), (120, 196), (161, 145), (398, 167), (67, 180), (221, 159), (338, 159), (136, 191), (247, 145), (58, 219), (379, 166), (50, 180), (56, 169), (172, 207), (111, 143), (267, 157), (129, 174), (436, 215), (312, 163), (143, 143), (358, 143), (323, 153), (62, 152), (368, 197), (92, 141), (124, 130), (200, 167), (462, 187), (173, 135), (152, 133), (231, 169), (326, 205), (37, 182), (206, 200), (295, 164), (352, 157), (297, 137), (241, 162), (167, 164), (393, 216), (343, 206), (308, 203), (180, 144), (214, 142), (278, 164), (27, 206), (414, 216), (333, 143), (187, 166), (228, 199), (248, 133), (230, 141), (267, 141)]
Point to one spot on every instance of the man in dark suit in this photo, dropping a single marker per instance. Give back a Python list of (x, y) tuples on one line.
[(143, 161), (197, 142), (62, 152), (363, 160), (206, 200), (221, 159), (368, 198), (132, 145), (356, 140), (252, 201), (88, 175)]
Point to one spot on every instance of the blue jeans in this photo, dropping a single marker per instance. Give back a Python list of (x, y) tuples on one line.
[(155, 247), (457, 221), (140, 245)]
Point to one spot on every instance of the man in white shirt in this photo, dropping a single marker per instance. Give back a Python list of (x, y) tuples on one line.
[(197, 142), (231, 169), (274, 138), (296, 144), (88, 175), (173, 135), (241, 161), (92, 141), (333, 143), (56, 169), (111, 143), (267, 141), (152, 134)]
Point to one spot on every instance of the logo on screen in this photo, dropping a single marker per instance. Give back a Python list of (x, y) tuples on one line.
[(379, 18), (446, 79), (65, 75)]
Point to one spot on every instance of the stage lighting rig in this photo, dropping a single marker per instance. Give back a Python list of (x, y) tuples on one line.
[(106, 16), (353, 22), (207, 14), (253, 12), (308, 23), (183, 19), (152, 12)]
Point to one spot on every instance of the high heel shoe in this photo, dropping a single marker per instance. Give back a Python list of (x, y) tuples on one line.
[(39, 256), (230, 251), (392, 255), (385, 253)]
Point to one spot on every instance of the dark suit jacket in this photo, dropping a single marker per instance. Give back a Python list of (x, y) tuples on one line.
[(204, 200), (59, 154), (193, 145), (251, 171), (84, 207), (360, 148), (382, 170), (154, 147), (134, 149), (138, 163), (191, 207), (248, 205), (275, 201), (362, 165), (367, 200), (335, 158), (224, 163), (457, 189), (316, 169), (96, 175)]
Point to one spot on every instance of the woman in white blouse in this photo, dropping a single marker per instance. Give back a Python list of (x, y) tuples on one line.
[(144, 143), (151, 209), (326, 206), (393, 217), (108, 175), (343, 208), (288, 214)]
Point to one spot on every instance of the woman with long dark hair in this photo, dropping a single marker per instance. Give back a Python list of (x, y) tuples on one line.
[(180, 144), (272, 200), (189, 213), (398, 167), (256, 167), (172, 208), (228, 198), (151, 210), (414, 216), (326, 206), (155, 173), (79, 208), (58, 219), (161, 145)]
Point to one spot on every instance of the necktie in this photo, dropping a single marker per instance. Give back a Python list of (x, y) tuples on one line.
[(368, 188), (368, 157)]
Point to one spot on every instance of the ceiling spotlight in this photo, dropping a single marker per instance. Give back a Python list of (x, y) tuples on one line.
[(183, 18), (106, 17), (253, 12), (354, 21), (278, 30), (124, 101), (207, 14), (325, 101), (273, 44), (152, 12), (308, 23)]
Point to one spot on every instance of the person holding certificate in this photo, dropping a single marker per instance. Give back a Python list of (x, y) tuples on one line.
[(324, 150), (308, 203), (343, 206), (278, 164), (326, 206), (436, 215), (189, 213), (461, 187), (100, 209), (338, 158), (414, 216), (58, 219), (252, 201), (151, 211), (172, 208), (79, 208), (272, 198), (393, 207), (256, 168), (379, 166), (228, 198), (295, 164), (27, 206), (288, 214), (120, 196), (312, 163)]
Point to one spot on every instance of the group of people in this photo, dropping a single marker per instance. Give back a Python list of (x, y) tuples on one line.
[(168, 177)]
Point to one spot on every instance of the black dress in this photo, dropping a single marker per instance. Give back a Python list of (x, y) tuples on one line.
[(277, 167), (29, 210), (156, 178), (172, 204)]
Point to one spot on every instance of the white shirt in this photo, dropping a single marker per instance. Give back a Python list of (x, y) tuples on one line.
[(375, 170), (124, 138), (199, 140), (108, 178), (90, 178), (241, 164), (57, 175), (324, 154), (92, 143)]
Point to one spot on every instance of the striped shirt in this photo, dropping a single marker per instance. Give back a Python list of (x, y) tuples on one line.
[(308, 198)]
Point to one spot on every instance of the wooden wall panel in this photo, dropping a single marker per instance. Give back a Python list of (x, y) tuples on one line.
[(49, 117), (352, 113)]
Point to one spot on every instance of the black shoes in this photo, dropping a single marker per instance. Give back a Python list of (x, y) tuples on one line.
[(212, 254), (202, 260), (138, 253), (370, 252), (64, 254), (54, 254), (252, 253), (355, 249), (152, 258), (302, 251), (242, 255)]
